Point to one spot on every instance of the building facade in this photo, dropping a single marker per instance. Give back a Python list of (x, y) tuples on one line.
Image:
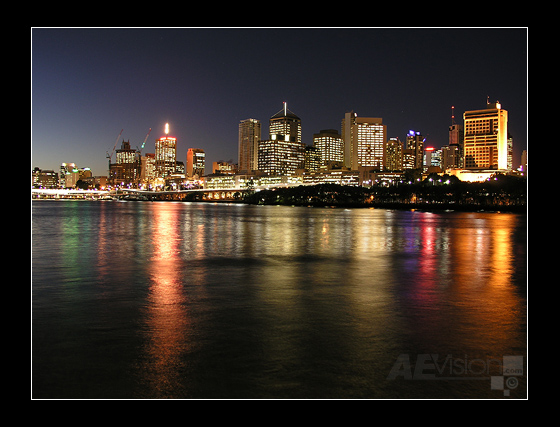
[(285, 125), (456, 138), (196, 162), (283, 153), (166, 154), (415, 142), (280, 157), (330, 146), (485, 142), (394, 155), (127, 168), (364, 141), (249, 137)]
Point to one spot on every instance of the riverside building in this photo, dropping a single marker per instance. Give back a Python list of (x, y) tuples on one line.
[(485, 140)]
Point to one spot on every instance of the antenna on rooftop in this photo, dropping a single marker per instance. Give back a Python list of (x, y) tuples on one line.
[(452, 115), (285, 108)]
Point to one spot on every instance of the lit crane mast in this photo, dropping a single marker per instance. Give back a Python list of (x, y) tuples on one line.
[(144, 143), (109, 156)]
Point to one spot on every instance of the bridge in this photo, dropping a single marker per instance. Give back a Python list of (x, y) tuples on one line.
[(199, 194), (193, 195)]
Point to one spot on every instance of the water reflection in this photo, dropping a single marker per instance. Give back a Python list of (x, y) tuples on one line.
[(167, 320), (202, 300)]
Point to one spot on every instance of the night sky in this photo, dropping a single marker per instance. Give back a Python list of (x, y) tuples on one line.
[(88, 84)]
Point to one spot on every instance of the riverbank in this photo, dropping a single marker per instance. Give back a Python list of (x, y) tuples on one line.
[(505, 195)]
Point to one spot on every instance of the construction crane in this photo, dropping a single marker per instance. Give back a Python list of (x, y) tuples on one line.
[(144, 143), (109, 156)]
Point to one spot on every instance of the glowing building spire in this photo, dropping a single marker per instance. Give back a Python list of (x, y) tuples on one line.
[(285, 107), (167, 128)]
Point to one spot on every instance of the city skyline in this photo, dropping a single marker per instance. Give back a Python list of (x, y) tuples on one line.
[(81, 97)]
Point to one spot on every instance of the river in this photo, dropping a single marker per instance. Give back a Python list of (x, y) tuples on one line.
[(197, 300)]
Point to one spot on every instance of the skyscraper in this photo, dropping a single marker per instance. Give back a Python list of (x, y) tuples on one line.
[(166, 154), (285, 125), (196, 162), (330, 146), (249, 137), (283, 152), (456, 137), (415, 142), (394, 155), (485, 143), (127, 168), (364, 141)]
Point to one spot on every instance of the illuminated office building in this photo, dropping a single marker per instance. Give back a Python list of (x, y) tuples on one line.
[(313, 161), (69, 175), (329, 145), (394, 155), (280, 157), (415, 142), (148, 168), (285, 125), (283, 152), (126, 170), (196, 162), (166, 154), (364, 141), (249, 137), (485, 142), (456, 137)]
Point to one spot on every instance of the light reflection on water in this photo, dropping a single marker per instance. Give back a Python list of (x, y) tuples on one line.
[(200, 300)]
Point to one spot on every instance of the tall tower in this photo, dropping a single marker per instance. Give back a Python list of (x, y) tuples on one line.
[(415, 141), (196, 162), (485, 143), (456, 136), (283, 152), (166, 154), (285, 125), (365, 139), (249, 137), (329, 145)]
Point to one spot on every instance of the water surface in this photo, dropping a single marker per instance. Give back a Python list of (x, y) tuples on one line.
[(187, 300)]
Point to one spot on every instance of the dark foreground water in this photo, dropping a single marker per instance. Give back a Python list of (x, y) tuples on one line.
[(180, 300)]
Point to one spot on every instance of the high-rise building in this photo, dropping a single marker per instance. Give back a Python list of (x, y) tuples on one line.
[(148, 168), (456, 136), (485, 143), (509, 152), (69, 175), (285, 125), (415, 141), (394, 155), (44, 178), (312, 159), (166, 154), (249, 137), (196, 162), (347, 127), (364, 141), (283, 152), (329, 145), (280, 157), (126, 170), (450, 156)]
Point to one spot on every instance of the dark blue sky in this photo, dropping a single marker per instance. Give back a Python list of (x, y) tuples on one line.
[(88, 84)]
